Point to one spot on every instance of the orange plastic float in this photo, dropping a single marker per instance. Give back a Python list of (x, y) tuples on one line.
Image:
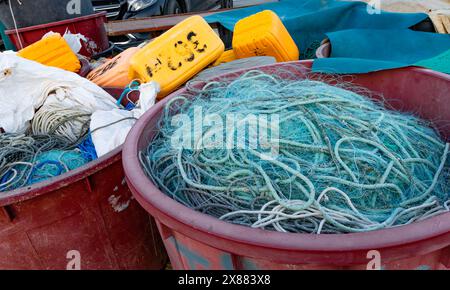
[(177, 55), (114, 73), (264, 34), (227, 56), (52, 50)]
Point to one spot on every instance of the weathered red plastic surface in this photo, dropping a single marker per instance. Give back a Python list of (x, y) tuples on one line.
[(90, 210), (85, 68), (197, 241), (91, 27)]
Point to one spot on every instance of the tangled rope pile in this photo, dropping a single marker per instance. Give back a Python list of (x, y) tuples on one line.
[(56, 143), (346, 164), (25, 160), (56, 119)]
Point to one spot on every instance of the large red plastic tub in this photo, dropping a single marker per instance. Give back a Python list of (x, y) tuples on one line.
[(90, 210), (91, 27), (197, 241)]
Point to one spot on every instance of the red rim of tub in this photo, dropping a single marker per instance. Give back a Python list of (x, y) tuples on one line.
[(57, 23), (151, 198)]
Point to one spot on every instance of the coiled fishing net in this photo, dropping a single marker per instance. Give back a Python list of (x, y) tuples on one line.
[(345, 163), (54, 163)]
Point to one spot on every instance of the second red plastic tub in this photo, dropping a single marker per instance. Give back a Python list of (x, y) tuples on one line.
[(90, 212), (196, 241), (91, 27)]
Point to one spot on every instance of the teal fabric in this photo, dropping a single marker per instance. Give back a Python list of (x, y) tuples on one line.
[(309, 20), (362, 51), (5, 38), (439, 63)]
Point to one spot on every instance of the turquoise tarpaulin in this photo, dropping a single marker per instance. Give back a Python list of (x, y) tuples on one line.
[(361, 51), (6, 41), (308, 21), (439, 63)]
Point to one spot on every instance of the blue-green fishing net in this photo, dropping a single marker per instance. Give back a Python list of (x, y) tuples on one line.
[(339, 162)]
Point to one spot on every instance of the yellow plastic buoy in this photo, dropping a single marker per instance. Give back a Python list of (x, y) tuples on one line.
[(177, 55), (227, 56), (264, 34), (115, 72), (52, 50)]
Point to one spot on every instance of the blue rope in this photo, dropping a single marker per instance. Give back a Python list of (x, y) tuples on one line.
[(133, 86), (87, 148)]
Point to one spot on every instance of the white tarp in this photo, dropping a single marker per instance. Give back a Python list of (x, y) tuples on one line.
[(110, 127), (26, 85)]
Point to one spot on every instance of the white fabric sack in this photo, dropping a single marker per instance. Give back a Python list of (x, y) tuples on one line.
[(110, 128), (26, 85), (74, 40)]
